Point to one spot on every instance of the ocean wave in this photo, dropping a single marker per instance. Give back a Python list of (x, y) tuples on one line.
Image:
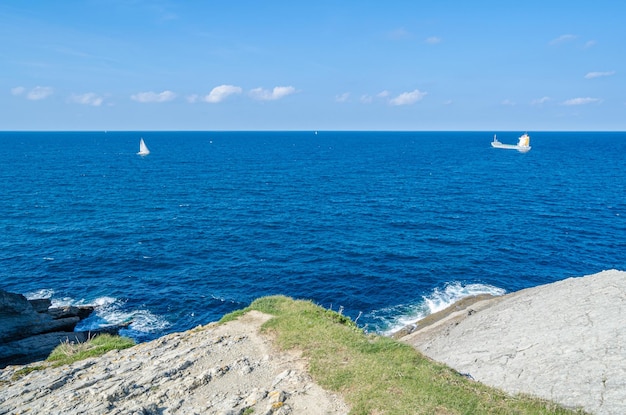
[(392, 319), (453, 292), (39, 294), (69, 301), (109, 311), (112, 312), (142, 321)]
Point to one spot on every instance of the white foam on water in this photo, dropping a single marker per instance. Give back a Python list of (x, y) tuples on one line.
[(63, 302), (69, 301), (109, 311), (146, 322), (103, 301), (437, 300), (39, 294)]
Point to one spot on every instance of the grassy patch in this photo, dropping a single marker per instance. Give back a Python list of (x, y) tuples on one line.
[(68, 352), (379, 375), (25, 371)]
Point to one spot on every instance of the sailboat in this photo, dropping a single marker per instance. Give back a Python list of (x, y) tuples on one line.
[(143, 148), (523, 144)]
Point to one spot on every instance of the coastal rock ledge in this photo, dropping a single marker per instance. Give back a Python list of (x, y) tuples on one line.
[(227, 369), (31, 329), (565, 341)]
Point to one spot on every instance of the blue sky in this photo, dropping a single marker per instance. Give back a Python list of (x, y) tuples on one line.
[(322, 65)]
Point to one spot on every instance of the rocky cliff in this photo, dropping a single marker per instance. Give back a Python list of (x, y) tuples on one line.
[(30, 329), (565, 341)]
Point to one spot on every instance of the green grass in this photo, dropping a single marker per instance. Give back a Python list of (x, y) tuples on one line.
[(25, 371), (379, 375), (67, 352)]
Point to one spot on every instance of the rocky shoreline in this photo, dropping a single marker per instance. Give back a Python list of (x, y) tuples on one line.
[(31, 329), (565, 342), (226, 369)]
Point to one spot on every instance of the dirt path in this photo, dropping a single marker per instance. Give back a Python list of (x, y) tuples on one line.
[(216, 369)]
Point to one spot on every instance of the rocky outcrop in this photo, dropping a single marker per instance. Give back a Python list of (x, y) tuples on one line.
[(20, 318), (31, 329), (565, 341), (222, 369)]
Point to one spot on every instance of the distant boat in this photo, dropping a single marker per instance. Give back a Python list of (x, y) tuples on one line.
[(523, 144), (143, 148)]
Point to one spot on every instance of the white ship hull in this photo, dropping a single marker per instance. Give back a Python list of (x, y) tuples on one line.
[(522, 146)]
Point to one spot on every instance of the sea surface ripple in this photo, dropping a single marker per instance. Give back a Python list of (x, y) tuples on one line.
[(383, 226)]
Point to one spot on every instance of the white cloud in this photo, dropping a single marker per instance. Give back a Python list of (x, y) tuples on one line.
[(192, 99), (540, 101), (581, 101), (220, 93), (383, 94), (89, 98), (39, 92), (563, 39), (148, 97), (433, 40), (277, 93), (35, 94), (366, 99), (592, 75), (507, 102), (19, 90), (589, 44), (343, 97), (408, 98)]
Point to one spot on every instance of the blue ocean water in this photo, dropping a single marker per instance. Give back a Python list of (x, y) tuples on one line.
[(384, 226)]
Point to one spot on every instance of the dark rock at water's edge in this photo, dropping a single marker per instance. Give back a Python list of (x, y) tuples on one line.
[(462, 304), (31, 329)]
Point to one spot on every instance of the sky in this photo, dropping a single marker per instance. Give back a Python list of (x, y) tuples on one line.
[(139, 65)]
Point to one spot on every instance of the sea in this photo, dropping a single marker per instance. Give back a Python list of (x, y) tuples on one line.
[(384, 227)]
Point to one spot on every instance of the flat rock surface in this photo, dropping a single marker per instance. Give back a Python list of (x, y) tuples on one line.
[(564, 341), (215, 369)]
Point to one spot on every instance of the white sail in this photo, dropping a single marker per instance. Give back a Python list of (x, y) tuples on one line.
[(143, 148)]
